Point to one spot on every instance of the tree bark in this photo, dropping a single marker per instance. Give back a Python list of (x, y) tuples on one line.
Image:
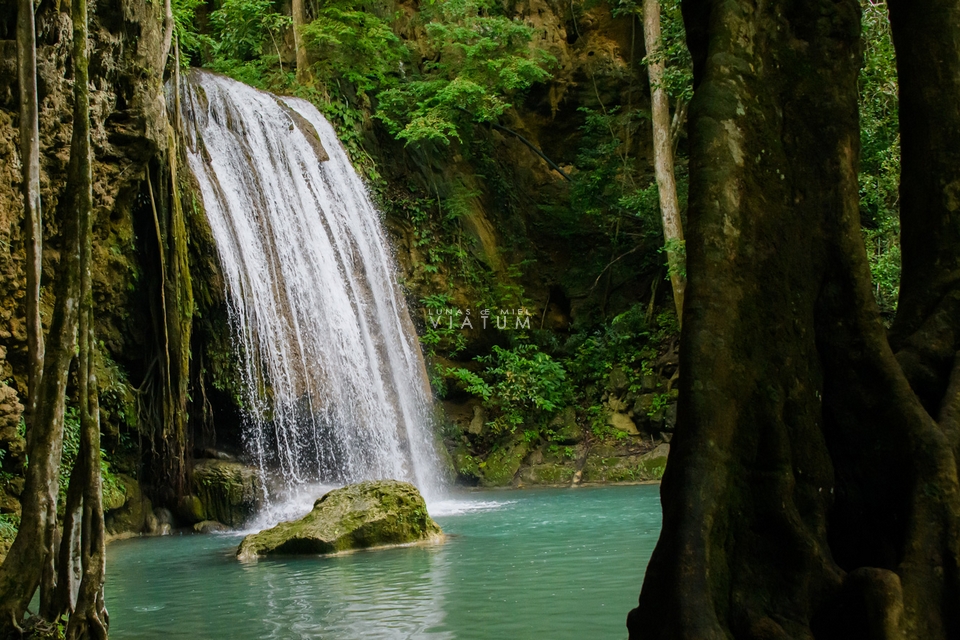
[(69, 567), (31, 560), (663, 153), (88, 618), (299, 14), (179, 317), (925, 332), (808, 492), (168, 24), (30, 185)]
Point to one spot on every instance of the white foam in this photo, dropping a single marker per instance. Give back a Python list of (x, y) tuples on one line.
[(291, 505), (456, 507), (334, 383)]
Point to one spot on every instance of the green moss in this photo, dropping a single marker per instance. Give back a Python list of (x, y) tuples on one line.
[(652, 469), (358, 516), (549, 474), (9, 523), (502, 465), (465, 464), (230, 492), (114, 489)]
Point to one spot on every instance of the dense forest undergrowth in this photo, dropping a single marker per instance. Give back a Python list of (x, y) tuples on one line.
[(509, 146)]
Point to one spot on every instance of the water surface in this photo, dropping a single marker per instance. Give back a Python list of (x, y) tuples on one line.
[(545, 563)]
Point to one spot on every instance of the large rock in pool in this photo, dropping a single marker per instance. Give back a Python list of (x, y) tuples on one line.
[(226, 491), (358, 516)]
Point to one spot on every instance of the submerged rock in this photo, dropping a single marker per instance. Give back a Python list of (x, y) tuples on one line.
[(358, 516)]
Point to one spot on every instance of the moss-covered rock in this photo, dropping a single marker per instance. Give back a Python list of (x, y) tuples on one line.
[(209, 526), (230, 492), (501, 465), (191, 509), (358, 516), (465, 465), (654, 463), (548, 474), (114, 492), (565, 427), (602, 466), (130, 515)]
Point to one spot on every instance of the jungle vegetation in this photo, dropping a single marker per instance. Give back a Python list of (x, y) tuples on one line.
[(817, 424)]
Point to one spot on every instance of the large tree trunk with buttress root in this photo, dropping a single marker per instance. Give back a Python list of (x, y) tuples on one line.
[(809, 493), (926, 333)]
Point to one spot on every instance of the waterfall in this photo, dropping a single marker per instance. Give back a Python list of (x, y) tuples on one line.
[(335, 385)]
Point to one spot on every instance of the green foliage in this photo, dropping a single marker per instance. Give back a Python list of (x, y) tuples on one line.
[(246, 40), (880, 155), (629, 341), (185, 28), (613, 186), (660, 402), (442, 335), (353, 44), (118, 402), (474, 61), (71, 448), (678, 65), (679, 247), (111, 485), (610, 192), (521, 387), (9, 524)]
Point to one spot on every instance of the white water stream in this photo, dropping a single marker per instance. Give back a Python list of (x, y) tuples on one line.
[(335, 382)]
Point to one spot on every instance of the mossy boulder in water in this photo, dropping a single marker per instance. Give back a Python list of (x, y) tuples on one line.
[(358, 516)]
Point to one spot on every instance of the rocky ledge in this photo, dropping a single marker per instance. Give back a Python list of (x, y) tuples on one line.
[(358, 516)]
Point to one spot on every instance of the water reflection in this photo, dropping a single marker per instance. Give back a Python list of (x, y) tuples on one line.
[(556, 564)]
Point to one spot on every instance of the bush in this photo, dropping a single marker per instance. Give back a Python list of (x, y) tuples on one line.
[(520, 387)]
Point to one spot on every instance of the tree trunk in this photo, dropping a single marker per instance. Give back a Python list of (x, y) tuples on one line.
[(88, 618), (304, 73), (33, 226), (808, 492), (179, 317), (925, 332), (168, 25), (663, 153), (32, 552), (31, 559), (69, 567)]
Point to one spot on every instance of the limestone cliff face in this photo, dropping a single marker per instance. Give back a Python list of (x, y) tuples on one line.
[(128, 130)]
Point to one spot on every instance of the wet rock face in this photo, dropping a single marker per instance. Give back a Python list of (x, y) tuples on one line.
[(128, 512), (129, 126), (358, 516), (224, 491)]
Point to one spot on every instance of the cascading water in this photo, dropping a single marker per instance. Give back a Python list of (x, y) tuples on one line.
[(335, 383)]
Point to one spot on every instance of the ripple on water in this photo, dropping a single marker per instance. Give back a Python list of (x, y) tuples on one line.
[(516, 565)]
